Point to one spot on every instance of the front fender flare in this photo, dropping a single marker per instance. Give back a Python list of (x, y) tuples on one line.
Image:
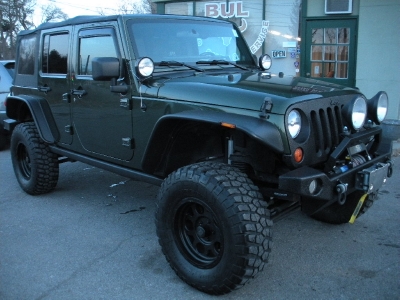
[(260, 129), (41, 114)]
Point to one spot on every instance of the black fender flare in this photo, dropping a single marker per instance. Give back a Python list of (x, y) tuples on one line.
[(260, 129), (41, 114)]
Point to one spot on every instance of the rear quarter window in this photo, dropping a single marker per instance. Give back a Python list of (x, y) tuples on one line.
[(26, 55)]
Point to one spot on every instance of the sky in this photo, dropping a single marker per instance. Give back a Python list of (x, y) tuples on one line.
[(75, 8)]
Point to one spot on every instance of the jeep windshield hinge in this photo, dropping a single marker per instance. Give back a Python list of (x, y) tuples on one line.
[(266, 107), (128, 142), (126, 103)]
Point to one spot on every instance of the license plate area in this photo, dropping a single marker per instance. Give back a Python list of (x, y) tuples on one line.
[(371, 179)]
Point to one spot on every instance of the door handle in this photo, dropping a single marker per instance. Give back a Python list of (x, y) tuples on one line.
[(44, 88), (78, 92)]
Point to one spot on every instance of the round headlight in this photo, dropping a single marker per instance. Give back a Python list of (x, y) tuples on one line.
[(294, 123), (265, 62), (145, 67), (358, 113)]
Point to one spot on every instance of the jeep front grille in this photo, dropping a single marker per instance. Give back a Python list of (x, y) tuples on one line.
[(326, 127)]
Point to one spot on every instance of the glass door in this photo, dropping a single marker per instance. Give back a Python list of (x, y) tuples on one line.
[(330, 50)]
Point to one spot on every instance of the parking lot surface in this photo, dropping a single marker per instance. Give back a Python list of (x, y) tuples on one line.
[(94, 238)]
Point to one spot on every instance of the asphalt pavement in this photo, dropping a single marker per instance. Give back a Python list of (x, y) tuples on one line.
[(94, 238)]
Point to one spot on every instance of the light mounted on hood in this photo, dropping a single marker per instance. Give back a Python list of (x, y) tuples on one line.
[(265, 62), (145, 67)]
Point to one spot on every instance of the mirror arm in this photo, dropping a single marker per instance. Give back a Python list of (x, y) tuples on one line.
[(122, 89)]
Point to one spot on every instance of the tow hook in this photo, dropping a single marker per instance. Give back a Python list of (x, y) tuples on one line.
[(341, 189)]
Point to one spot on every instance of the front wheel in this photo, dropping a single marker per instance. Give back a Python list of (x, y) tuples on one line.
[(213, 226), (35, 166)]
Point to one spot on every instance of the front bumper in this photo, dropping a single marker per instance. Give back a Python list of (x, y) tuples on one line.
[(334, 186)]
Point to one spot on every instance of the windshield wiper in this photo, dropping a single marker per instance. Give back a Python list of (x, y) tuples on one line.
[(220, 62), (173, 63)]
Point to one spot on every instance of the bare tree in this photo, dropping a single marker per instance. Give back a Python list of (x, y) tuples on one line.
[(133, 7), (52, 13), (15, 15)]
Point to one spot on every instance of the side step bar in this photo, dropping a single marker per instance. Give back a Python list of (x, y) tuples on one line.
[(123, 171)]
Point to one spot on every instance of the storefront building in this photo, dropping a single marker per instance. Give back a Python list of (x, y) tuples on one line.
[(351, 42)]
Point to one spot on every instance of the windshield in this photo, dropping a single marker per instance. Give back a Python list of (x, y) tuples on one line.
[(188, 41)]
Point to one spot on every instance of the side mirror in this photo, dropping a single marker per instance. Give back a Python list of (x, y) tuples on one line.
[(105, 68), (265, 62)]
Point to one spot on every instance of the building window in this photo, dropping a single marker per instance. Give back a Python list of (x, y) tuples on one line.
[(330, 52)]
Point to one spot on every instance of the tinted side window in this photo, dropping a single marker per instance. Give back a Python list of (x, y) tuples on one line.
[(55, 53), (26, 59), (94, 46)]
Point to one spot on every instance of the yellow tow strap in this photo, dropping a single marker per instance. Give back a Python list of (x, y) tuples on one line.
[(357, 210)]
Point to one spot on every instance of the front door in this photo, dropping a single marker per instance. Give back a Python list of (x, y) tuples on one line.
[(330, 50), (102, 124)]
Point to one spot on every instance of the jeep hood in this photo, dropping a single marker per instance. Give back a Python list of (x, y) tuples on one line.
[(245, 90)]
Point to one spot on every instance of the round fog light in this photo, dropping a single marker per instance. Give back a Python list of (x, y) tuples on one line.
[(312, 187)]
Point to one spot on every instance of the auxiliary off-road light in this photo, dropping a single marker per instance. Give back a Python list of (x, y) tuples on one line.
[(265, 62), (356, 112), (145, 67), (378, 107)]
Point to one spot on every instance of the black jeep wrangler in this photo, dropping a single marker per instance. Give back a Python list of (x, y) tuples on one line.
[(180, 102)]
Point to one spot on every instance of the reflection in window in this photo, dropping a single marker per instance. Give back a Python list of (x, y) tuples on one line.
[(344, 35), (90, 47), (317, 35), (26, 59), (330, 36), (330, 52), (55, 54), (188, 41)]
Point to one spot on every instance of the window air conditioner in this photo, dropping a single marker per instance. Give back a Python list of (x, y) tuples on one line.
[(338, 6)]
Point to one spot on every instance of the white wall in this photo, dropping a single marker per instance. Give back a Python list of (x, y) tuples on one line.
[(378, 52)]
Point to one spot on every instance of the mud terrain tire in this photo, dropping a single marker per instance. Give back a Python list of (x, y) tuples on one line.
[(35, 166), (213, 226)]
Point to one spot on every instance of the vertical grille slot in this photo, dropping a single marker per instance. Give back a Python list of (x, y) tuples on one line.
[(326, 130), (334, 125), (327, 127), (318, 135)]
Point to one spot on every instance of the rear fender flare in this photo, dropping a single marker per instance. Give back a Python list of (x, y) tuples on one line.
[(40, 112), (259, 129)]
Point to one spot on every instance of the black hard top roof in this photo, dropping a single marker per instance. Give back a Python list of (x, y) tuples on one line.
[(89, 19)]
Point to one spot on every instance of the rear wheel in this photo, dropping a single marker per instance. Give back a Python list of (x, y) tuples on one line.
[(337, 213), (213, 226), (35, 166)]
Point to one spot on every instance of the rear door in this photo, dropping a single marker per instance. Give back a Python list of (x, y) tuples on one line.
[(53, 83)]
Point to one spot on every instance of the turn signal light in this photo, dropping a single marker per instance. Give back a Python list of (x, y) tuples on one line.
[(228, 125), (298, 155)]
